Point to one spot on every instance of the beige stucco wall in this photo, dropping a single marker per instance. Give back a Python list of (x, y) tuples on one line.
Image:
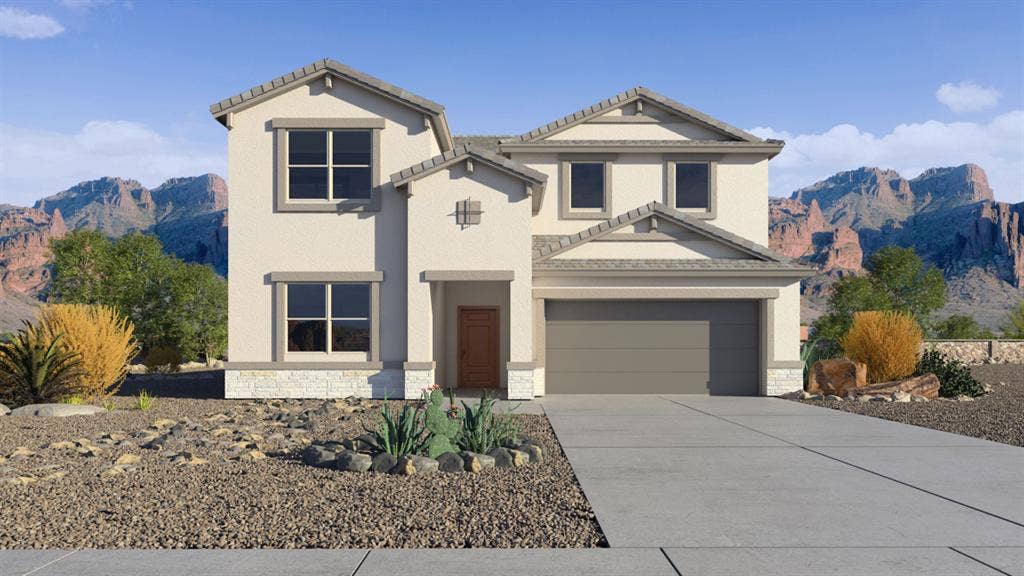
[(500, 242), (685, 250), (742, 201), (263, 241), (669, 127)]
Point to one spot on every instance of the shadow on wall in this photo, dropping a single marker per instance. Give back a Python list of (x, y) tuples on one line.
[(207, 384)]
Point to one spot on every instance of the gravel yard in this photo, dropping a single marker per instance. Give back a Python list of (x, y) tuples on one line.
[(208, 487), (997, 416)]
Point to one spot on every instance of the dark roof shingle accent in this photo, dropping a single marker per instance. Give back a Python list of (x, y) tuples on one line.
[(657, 208), (629, 96), (641, 264), (337, 68)]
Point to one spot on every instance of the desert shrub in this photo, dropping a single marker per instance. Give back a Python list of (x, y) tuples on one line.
[(888, 342), (398, 434), (960, 327), (162, 360), (144, 401), (955, 377), (101, 338), (1013, 327), (483, 429), (36, 368)]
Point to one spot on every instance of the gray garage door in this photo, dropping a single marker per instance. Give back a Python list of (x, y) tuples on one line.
[(652, 347)]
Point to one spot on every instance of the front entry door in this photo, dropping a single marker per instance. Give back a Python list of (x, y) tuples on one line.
[(478, 347)]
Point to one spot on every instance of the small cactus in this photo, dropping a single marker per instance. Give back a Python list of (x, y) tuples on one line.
[(443, 430)]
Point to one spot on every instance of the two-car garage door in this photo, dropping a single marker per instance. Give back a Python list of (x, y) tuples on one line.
[(652, 347)]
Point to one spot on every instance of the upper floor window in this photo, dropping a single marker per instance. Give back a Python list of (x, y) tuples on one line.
[(586, 186), (330, 164), (327, 164), (690, 184)]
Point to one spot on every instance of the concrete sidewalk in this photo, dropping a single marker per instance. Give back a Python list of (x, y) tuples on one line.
[(693, 485)]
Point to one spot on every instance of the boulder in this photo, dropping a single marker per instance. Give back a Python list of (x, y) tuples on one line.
[(57, 410), (473, 462), (318, 456), (425, 465), (450, 462), (506, 458), (533, 451), (349, 461), (926, 386), (4, 410), (404, 467), (383, 462), (836, 376)]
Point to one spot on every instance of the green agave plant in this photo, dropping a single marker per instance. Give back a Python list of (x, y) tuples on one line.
[(399, 435), (482, 429), (34, 369)]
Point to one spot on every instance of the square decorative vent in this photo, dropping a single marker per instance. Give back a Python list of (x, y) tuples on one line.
[(467, 212)]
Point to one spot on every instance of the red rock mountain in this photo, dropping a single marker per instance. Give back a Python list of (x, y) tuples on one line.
[(188, 215), (948, 215)]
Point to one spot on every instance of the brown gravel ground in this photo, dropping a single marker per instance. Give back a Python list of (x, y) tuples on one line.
[(275, 502), (996, 416)]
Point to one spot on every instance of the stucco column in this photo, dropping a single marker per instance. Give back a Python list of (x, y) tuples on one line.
[(419, 366), (521, 365)]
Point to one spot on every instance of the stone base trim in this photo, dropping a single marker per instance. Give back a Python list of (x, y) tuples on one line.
[(313, 383), (784, 380), (417, 381), (520, 383), (538, 381), (979, 351)]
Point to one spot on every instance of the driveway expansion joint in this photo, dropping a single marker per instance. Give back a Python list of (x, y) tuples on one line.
[(986, 564)]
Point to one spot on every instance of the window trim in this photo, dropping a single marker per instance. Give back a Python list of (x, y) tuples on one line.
[(565, 188), (280, 280), (281, 127), (711, 160)]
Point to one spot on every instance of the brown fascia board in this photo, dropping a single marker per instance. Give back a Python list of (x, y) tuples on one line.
[(627, 97), (325, 66)]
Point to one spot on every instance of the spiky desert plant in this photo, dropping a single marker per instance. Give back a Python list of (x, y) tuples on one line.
[(888, 342), (483, 429), (103, 340), (35, 368), (443, 429), (399, 435), (144, 401)]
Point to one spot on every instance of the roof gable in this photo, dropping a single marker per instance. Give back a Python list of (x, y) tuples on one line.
[(645, 97), (534, 180), (555, 247), (335, 69)]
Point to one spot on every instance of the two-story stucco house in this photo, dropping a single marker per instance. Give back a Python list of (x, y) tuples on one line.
[(620, 249)]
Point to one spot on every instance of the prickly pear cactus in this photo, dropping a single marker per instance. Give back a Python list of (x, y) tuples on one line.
[(443, 430)]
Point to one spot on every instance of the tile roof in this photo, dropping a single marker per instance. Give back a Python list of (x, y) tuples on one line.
[(456, 155), (337, 68), (484, 141), (651, 209), (630, 96), (681, 143), (640, 264)]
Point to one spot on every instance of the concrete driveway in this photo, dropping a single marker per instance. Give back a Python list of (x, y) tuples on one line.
[(729, 485)]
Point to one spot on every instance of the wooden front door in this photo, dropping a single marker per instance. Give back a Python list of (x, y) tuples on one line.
[(479, 342)]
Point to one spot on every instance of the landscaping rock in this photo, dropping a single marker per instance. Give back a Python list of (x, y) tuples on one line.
[(349, 461), (188, 459), (473, 462), (318, 456), (161, 423), (62, 445), (450, 462), (918, 399), (126, 459), (4, 410), (901, 396), (833, 398), (506, 458), (836, 376), (926, 385), (356, 445), (533, 451), (57, 410), (383, 462), (425, 465), (404, 467)]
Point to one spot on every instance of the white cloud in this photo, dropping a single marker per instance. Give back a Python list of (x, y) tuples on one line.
[(997, 146), (24, 25), (37, 163), (967, 97)]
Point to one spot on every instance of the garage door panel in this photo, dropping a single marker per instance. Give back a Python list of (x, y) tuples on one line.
[(645, 335), (657, 347)]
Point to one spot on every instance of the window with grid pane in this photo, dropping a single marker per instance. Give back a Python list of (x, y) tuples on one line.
[(330, 164), (319, 314)]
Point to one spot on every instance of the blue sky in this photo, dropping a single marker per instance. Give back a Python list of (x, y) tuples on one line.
[(91, 88)]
